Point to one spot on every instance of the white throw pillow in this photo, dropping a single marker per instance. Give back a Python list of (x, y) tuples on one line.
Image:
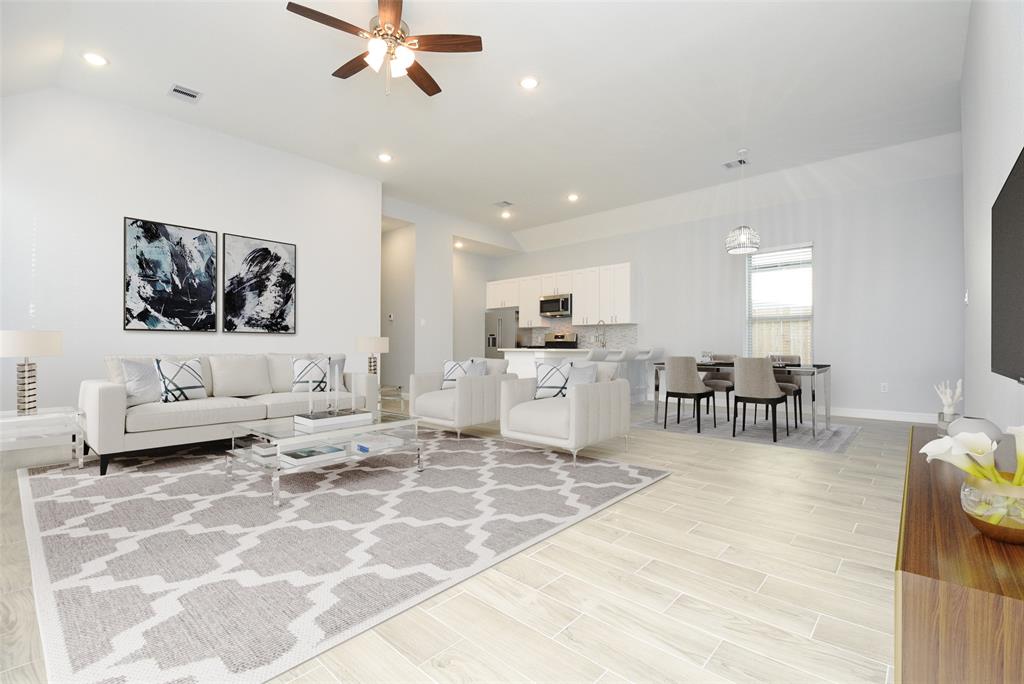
[(581, 373), (310, 375), (453, 370), (180, 380), (240, 375), (552, 375), (141, 382)]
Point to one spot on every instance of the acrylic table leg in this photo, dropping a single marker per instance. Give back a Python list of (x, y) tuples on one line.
[(419, 460), (828, 399), (276, 485), (657, 391), (814, 408), (77, 456)]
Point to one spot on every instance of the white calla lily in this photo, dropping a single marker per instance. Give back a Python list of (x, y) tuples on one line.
[(943, 449), (982, 449)]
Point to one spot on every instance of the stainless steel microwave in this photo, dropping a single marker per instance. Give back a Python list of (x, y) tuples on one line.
[(556, 306)]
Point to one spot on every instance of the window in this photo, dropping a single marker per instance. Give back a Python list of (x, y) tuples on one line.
[(779, 303)]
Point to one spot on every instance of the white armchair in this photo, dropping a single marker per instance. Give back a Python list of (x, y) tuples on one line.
[(473, 400), (589, 414)]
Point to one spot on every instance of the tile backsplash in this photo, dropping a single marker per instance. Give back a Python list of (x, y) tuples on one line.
[(616, 336)]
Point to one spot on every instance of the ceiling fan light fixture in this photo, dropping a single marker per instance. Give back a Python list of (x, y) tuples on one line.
[(403, 59), (378, 50)]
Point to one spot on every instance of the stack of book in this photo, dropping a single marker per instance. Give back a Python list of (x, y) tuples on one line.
[(321, 421)]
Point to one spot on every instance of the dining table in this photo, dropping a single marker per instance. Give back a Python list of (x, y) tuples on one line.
[(805, 374)]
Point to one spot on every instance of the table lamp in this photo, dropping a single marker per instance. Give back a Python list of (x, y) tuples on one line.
[(372, 346), (24, 344)]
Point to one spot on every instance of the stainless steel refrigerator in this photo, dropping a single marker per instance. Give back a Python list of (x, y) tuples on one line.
[(500, 328)]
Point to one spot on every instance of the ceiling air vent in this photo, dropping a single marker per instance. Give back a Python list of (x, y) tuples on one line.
[(184, 94), (503, 204), (740, 160)]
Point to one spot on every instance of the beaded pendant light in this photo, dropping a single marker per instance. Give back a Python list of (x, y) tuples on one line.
[(742, 239)]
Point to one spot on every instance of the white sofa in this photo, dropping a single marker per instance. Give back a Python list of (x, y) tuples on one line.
[(473, 400), (239, 388), (589, 414)]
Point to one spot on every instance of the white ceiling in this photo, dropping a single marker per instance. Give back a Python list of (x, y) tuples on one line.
[(636, 101)]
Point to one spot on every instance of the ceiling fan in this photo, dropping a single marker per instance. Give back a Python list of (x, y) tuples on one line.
[(389, 42)]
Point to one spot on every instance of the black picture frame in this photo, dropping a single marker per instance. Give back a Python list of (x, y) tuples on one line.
[(128, 317), (229, 298)]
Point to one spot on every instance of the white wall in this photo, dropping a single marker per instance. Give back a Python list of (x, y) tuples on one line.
[(470, 273), (397, 297), (73, 167), (992, 113), (888, 283), (434, 277)]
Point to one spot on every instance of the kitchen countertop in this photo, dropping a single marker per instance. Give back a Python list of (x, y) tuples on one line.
[(579, 350)]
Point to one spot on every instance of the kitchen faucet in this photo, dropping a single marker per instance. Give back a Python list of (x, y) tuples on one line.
[(601, 336)]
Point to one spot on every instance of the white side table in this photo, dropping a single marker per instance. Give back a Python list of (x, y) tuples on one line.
[(46, 427)]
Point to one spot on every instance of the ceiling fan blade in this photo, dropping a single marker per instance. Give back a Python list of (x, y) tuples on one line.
[(325, 19), (421, 78), (352, 67), (448, 42), (390, 12)]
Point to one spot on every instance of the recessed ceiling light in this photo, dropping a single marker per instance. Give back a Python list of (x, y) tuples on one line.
[(572, 197), (458, 244), (95, 59), (384, 157), (528, 82), (506, 214)]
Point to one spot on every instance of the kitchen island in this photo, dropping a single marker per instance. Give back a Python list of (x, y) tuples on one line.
[(522, 360)]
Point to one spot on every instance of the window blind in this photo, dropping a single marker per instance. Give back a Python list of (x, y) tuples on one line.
[(780, 307)]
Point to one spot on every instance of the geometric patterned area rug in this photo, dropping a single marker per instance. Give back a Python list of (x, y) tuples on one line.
[(833, 441), (166, 571)]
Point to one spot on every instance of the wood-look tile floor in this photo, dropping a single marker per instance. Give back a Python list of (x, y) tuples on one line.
[(749, 563)]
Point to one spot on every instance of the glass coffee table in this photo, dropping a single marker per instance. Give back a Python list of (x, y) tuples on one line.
[(279, 448)]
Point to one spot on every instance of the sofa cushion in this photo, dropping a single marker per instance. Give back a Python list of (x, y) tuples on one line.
[(494, 366), (116, 374), (240, 375), (311, 375), (181, 414), (282, 371), (552, 374), (437, 404), (141, 382), (280, 404), (544, 417)]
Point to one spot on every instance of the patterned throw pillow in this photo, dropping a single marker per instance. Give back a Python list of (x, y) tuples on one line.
[(141, 382), (180, 380), (310, 375), (552, 375), (453, 370)]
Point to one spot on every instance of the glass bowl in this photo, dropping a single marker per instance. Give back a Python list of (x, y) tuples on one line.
[(996, 510)]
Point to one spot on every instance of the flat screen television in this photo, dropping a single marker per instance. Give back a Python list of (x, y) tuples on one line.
[(1008, 276)]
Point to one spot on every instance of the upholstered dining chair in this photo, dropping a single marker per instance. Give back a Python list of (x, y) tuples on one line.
[(787, 385), (721, 381), (755, 384), (682, 381)]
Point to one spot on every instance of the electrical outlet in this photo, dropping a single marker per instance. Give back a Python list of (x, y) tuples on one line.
[(885, 387)]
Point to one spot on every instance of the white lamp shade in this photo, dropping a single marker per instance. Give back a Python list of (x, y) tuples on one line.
[(22, 343), (372, 345)]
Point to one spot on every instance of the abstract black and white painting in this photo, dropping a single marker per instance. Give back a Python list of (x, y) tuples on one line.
[(259, 285), (170, 277)]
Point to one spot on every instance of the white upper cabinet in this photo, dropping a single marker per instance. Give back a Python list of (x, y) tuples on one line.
[(556, 283), (502, 293), (586, 296), (615, 293), (601, 293), (530, 292)]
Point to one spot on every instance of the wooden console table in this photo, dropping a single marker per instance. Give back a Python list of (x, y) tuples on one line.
[(959, 595)]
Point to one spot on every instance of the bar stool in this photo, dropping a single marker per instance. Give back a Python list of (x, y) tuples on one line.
[(683, 382), (596, 355), (755, 384)]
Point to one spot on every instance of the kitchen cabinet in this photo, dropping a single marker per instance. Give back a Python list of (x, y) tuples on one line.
[(502, 293), (614, 292), (530, 291), (557, 283), (586, 296)]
